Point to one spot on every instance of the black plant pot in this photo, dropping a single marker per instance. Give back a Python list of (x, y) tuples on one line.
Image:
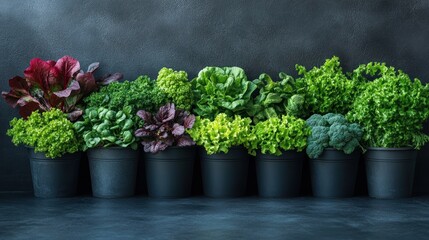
[(169, 173), (390, 172), (333, 174), (56, 177), (225, 174), (279, 176), (141, 185), (113, 171)]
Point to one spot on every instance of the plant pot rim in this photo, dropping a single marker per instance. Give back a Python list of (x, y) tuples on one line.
[(390, 149), (113, 147), (282, 151), (330, 149), (240, 147), (172, 148)]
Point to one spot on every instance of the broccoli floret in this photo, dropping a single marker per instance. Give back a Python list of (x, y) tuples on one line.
[(314, 150), (339, 135), (332, 118), (317, 141), (350, 146), (316, 120), (332, 130)]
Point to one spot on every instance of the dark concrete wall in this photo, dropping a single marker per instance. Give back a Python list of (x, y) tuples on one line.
[(140, 37)]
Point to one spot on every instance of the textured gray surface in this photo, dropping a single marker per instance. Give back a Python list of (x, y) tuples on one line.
[(24, 217), (139, 37)]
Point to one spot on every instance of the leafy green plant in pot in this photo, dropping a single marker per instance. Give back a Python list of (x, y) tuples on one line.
[(333, 148), (279, 143), (222, 90), (391, 110), (112, 150), (169, 155), (327, 89), (224, 159), (276, 98), (49, 86), (54, 148), (108, 126)]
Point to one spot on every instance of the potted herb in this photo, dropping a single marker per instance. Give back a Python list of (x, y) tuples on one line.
[(391, 109), (168, 156), (54, 151), (224, 159), (222, 90), (334, 155), (279, 158), (327, 89), (108, 127), (276, 98)]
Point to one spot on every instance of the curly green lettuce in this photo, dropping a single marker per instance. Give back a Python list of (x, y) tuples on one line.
[(176, 87), (392, 108), (222, 133), (327, 89), (275, 135), (49, 132)]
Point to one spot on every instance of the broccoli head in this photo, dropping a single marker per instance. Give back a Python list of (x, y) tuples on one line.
[(316, 120), (332, 130)]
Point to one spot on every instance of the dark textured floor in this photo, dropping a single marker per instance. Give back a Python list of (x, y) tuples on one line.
[(25, 217)]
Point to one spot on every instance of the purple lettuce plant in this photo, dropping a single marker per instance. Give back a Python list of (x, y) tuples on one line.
[(166, 128), (49, 84)]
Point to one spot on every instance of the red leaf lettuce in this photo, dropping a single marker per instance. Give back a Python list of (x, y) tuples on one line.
[(50, 84)]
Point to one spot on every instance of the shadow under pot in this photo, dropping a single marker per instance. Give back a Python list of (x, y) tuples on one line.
[(390, 172), (333, 174), (225, 174), (169, 173), (54, 177), (113, 171), (279, 176)]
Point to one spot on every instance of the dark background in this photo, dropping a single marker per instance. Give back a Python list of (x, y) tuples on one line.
[(140, 37)]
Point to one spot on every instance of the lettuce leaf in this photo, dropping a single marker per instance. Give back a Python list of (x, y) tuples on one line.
[(53, 84), (222, 90)]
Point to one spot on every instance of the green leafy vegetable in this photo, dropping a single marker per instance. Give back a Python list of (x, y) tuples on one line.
[(222, 90), (176, 86), (332, 130), (49, 132), (392, 108), (276, 98), (139, 94), (328, 89), (222, 133), (277, 134), (102, 127)]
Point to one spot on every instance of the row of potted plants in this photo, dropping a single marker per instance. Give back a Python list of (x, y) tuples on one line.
[(375, 108)]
